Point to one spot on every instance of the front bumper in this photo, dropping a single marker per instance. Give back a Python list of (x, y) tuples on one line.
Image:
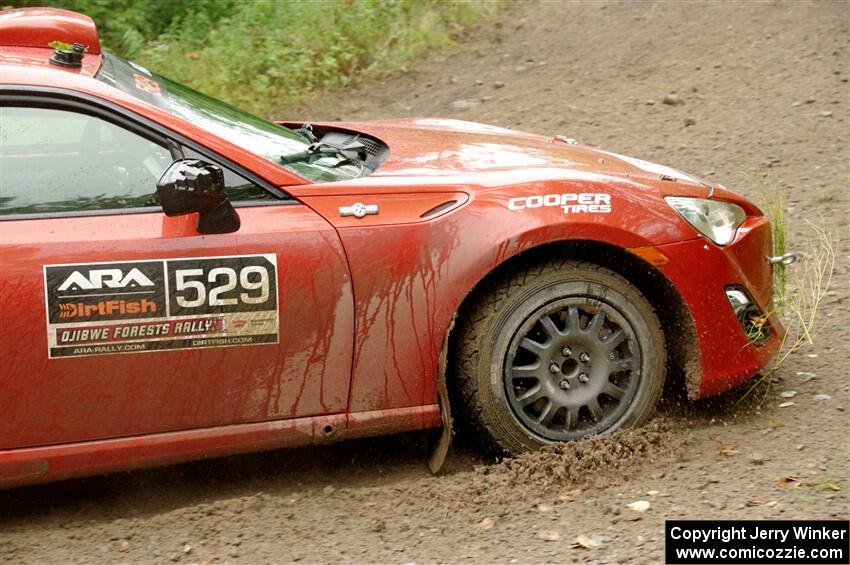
[(702, 271)]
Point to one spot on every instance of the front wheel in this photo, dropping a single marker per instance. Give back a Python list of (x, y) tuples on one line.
[(557, 352)]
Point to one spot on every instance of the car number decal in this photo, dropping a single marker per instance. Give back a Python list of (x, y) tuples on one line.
[(155, 305)]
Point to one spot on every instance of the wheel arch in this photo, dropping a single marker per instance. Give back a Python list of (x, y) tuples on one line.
[(683, 366)]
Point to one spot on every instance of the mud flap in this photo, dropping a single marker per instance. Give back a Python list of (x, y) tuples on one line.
[(441, 448)]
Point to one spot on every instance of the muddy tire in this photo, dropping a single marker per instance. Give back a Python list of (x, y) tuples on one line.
[(556, 352)]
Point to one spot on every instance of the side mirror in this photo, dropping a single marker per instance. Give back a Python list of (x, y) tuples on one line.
[(192, 185)]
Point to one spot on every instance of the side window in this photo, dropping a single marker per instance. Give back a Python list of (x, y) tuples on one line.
[(237, 187), (61, 161)]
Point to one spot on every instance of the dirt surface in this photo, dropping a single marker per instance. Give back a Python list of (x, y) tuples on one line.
[(757, 85)]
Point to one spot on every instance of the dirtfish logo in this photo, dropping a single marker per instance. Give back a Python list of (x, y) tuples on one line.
[(571, 202), (106, 308), (98, 278)]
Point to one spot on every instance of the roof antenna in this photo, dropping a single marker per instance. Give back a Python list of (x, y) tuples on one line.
[(66, 55)]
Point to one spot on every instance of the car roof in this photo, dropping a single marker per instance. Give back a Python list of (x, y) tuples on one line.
[(25, 37), (37, 27), (31, 65)]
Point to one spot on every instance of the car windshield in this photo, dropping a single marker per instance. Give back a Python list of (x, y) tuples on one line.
[(250, 132)]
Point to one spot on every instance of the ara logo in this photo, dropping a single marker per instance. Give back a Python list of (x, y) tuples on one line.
[(110, 278)]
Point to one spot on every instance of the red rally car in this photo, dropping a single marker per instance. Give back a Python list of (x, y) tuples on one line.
[(180, 279)]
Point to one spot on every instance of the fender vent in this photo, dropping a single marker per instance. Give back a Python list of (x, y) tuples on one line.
[(438, 208), (376, 151)]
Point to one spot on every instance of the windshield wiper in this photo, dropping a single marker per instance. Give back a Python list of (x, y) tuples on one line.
[(307, 131), (320, 149)]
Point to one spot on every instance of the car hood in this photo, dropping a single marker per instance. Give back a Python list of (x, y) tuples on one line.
[(437, 147)]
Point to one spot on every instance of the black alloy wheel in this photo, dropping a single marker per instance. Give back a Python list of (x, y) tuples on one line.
[(555, 352), (570, 368)]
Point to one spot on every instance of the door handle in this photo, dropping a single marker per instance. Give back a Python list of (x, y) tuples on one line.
[(358, 210)]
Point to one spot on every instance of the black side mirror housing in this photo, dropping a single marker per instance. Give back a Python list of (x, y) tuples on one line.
[(192, 185)]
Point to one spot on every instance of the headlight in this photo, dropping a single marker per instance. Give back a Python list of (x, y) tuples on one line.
[(718, 221)]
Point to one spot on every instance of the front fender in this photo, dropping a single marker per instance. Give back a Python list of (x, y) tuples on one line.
[(410, 279)]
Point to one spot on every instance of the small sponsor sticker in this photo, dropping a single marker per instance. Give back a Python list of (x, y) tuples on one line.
[(156, 305), (570, 202), (147, 84)]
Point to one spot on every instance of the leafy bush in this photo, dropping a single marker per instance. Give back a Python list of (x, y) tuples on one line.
[(264, 54)]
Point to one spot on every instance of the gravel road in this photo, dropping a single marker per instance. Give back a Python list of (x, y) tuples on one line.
[(720, 89)]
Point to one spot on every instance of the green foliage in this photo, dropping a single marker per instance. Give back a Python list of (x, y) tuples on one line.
[(126, 25), (264, 54), (60, 45), (773, 205)]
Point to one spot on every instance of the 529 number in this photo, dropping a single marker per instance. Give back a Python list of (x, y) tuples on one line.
[(195, 289)]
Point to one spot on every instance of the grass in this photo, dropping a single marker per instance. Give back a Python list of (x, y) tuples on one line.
[(758, 329), (773, 205), (799, 288), (265, 54), (829, 194), (811, 491)]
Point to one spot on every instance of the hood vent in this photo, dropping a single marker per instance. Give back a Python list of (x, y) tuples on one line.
[(372, 146)]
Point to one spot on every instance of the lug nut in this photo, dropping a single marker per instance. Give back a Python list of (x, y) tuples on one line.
[(583, 378), (565, 384), (584, 357), (554, 368), (566, 351)]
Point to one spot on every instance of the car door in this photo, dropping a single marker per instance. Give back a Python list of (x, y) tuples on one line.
[(117, 321)]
